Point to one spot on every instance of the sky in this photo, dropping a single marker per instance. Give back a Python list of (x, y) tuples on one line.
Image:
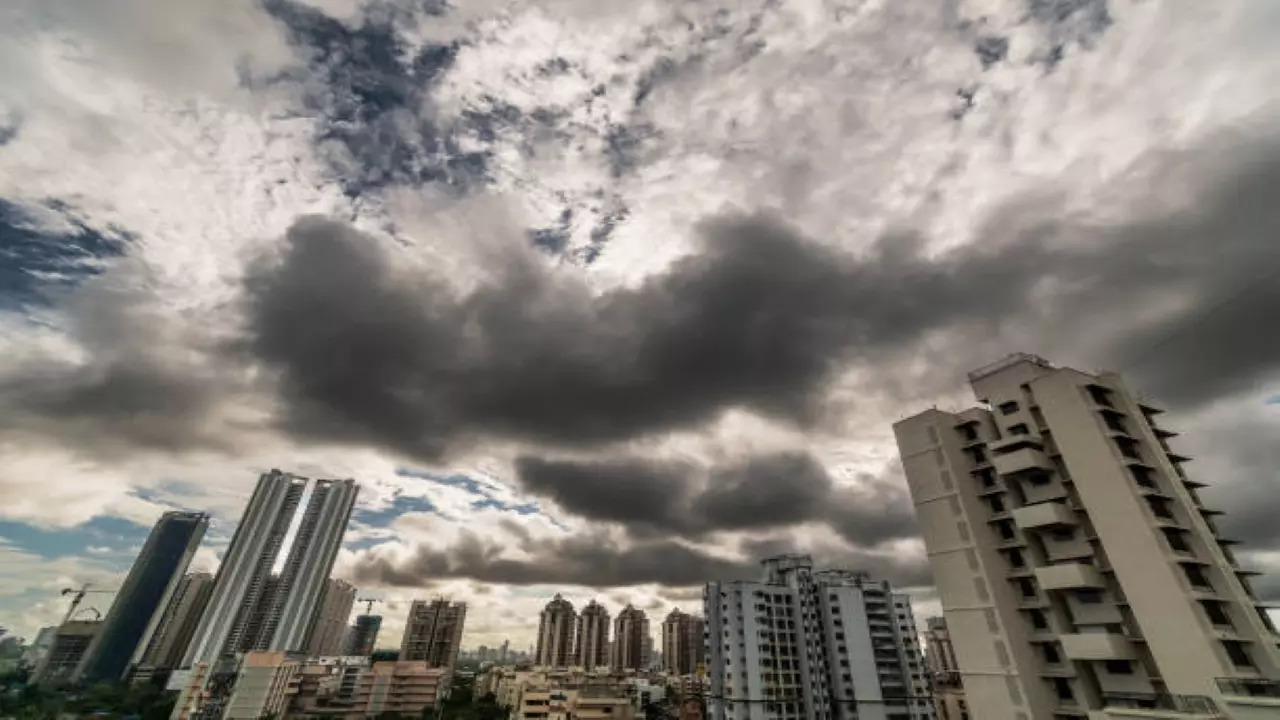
[(607, 299)]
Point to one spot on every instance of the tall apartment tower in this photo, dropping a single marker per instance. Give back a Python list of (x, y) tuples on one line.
[(251, 608), (433, 632), (555, 634), (1077, 567), (682, 643), (331, 619), (591, 637), (155, 576), (302, 583), (631, 641), (175, 625), (362, 637), (806, 645)]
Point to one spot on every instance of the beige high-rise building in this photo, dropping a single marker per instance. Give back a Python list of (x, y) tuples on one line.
[(631, 641), (948, 693), (683, 649), (555, 634), (1079, 572), (591, 643), (331, 621), (433, 632)]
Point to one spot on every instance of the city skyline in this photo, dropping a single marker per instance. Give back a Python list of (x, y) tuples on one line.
[(568, 309)]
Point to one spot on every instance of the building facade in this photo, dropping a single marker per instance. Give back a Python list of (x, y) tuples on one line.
[(433, 632), (174, 627), (362, 637), (152, 581), (632, 643), (806, 645), (331, 619), (683, 646), (406, 687), (246, 569), (250, 606), (302, 581), (556, 626), (67, 652), (1079, 571), (944, 671), (591, 637)]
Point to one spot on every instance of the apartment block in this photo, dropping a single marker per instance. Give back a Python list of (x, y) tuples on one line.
[(591, 637), (433, 632), (632, 643), (174, 627), (1080, 574), (556, 627), (811, 645), (362, 637), (331, 619), (682, 643), (67, 652), (944, 671), (406, 687)]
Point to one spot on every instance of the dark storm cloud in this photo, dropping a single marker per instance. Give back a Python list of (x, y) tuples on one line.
[(126, 392), (760, 318), (590, 560), (595, 560), (767, 491)]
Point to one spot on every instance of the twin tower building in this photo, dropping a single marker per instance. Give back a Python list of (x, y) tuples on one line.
[(267, 594)]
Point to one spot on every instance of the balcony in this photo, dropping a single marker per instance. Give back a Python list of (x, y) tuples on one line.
[(1249, 687), (1043, 515), (1067, 576), (1010, 443), (1096, 646), (1160, 705), (1024, 460)]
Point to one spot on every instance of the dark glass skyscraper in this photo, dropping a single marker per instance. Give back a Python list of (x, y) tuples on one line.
[(146, 591)]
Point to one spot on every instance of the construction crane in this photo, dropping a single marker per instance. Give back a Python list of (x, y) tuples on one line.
[(368, 604), (97, 616), (78, 595)]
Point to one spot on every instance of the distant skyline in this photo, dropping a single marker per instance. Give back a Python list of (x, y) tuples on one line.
[(605, 299)]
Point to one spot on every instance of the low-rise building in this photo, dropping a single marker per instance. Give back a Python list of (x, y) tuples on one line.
[(404, 686)]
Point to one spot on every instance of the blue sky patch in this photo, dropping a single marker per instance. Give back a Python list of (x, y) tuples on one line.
[(116, 534), (35, 258)]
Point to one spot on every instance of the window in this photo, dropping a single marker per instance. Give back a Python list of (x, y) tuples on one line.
[(1238, 654), (1038, 620), (1174, 537), (1216, 612), (1016, 560), (1039, 479), (1114, 423), (1008, 408), (1089, 596), (997, 505), (1062, 689), (1026, 587), (1119, 667), (967, 433), (1005, 529), (1142, 476), (1195, 576), (1128, 448), (978, 455), (1019, 429), (1100, 396), (1051, 655), (1062, 534)]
